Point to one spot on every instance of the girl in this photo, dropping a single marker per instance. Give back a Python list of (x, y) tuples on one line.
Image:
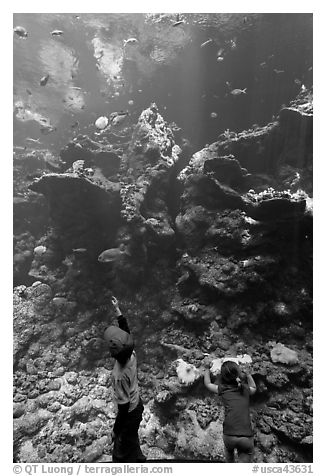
[(237, 429), (126, 446)]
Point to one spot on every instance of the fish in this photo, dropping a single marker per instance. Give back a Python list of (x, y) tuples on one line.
[(33, 140), (303, 87), (219, 59), (116, 121), (263, 64), (245, 19), (237, 92), (117, 117), (59, 301), (130, 41), (213, 115), (29, 92), (206, 42), (278, 71), (233, 43), (297, 81), (47, 129), (113, 254), (310, 69), (44, 80), (130, 102), (76, 87), (228, 84), (220, 52), (21, 31), (56, 32), (79, 250), (178, 23)]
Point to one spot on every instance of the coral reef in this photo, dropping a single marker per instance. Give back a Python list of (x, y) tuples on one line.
[(219, 267)]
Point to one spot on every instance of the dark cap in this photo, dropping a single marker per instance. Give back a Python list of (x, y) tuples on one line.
[(118, 340)]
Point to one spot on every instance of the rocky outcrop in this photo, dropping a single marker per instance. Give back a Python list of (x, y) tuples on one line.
[(222, 269), (85, 209)]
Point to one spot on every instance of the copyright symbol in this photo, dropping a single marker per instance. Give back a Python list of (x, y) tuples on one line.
[(17, 469)]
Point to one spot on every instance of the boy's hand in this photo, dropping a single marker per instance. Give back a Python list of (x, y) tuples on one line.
[(114, 302)]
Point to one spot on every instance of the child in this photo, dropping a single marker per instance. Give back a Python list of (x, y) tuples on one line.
[(237, 429), (126, 446)]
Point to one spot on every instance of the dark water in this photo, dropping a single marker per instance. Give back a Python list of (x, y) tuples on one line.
[(167, 65)]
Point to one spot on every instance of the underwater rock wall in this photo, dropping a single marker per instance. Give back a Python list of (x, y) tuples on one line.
[(228, 275)]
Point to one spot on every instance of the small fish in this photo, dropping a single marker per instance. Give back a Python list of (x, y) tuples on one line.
[(245, 20), (206, 42), (178, 23), (237, 92), (278, 71), (56, 32), (29, 92), (303, 87), (228, 84), (130, 41), (213, 115), (76, 87), (220, 52), (271, 56), (44, 80), (310, 69), (297, 81), (79, 250), (131, 102), (113, 254), (263, 64), (33, 140), (59, 301), (121, 114), (21, 31), (219, 59), (47, 129), (233, 43), (116, 121)]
